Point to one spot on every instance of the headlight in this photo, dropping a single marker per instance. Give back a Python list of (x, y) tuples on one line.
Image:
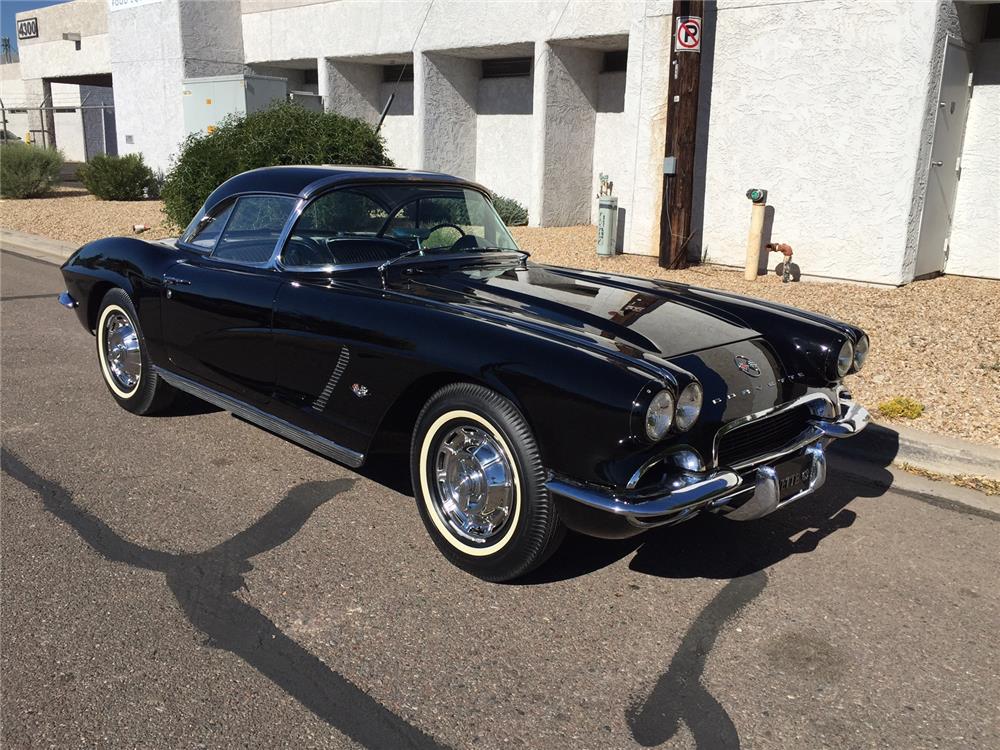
[(860, 353), (845, 359), (688, 407), (659, 415)]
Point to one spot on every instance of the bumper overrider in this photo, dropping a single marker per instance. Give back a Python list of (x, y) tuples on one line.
[(740, 494)]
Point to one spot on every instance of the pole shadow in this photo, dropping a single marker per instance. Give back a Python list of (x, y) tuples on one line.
[(679, 696), (204, 585)]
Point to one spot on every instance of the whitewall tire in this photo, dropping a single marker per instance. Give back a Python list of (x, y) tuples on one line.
[(123, 359), (480, 483)]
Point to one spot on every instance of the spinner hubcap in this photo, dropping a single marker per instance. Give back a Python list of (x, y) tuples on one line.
[(121, 350), (474, 490)]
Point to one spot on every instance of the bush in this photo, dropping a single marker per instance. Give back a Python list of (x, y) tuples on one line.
[(28, 171), (901, 407), (114, 178), (512, 212), (283, 134)]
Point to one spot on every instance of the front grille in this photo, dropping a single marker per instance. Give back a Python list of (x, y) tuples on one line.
[(762, 436)]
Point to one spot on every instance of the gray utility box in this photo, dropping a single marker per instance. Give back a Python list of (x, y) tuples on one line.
[(307, 99), (208, 101)]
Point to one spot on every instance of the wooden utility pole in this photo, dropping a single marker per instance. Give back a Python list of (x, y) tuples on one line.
[(682, 128)]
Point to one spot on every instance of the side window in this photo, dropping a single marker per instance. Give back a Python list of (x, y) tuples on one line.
[(253, 228), (205, 233)]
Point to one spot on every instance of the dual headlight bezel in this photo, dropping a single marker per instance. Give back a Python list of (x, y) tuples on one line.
[(668, 412), (852, 356)]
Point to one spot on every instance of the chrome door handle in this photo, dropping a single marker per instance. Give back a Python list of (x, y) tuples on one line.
[(174, 281), (937, 163)]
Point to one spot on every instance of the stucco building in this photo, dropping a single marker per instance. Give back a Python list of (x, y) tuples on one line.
[(875, 127)]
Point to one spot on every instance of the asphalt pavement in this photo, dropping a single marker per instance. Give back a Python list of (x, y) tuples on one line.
[(191, 581)]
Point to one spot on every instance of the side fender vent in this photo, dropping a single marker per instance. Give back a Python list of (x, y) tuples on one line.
[(320, 403)]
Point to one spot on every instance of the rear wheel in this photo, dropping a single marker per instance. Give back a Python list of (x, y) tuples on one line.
[(480, 484), (125, 365)]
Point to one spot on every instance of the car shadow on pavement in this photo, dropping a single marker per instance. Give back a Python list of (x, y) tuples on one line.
[(205, 585), (186, 405), (711, 547)]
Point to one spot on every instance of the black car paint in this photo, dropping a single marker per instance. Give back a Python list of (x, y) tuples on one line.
[(582, 376)]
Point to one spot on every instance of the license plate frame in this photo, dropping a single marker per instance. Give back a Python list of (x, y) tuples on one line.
[(793, 476)]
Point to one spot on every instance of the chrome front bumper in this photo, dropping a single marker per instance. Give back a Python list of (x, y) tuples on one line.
[(742, 496)]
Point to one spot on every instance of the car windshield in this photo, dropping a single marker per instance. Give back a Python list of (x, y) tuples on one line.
[(381, 222), (441, 219)]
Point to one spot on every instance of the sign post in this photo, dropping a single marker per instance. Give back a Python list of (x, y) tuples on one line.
[(682, 127)]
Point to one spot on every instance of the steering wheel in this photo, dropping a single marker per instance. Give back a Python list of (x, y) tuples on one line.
[(444, 224), (315, 253)]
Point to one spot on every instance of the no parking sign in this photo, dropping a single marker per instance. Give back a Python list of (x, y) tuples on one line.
[(688, 34)]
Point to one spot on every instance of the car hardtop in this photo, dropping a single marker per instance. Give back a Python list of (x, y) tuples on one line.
[(306, 181)]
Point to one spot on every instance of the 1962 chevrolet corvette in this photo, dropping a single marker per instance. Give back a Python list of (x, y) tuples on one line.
[(337, 306)]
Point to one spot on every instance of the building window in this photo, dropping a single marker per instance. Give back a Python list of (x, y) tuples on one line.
[(507, 67), (310, 75), (615, 61), (991, 29), (393, 73)]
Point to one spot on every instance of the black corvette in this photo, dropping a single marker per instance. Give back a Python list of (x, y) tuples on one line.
[(338, 307)]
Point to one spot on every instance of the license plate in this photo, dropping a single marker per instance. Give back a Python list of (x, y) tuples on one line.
[(793, 476)]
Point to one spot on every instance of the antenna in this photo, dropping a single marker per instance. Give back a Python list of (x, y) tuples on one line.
[(402, 70)]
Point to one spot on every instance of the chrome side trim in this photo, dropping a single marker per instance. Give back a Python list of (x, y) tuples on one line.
[(287, 430), (67, 301)]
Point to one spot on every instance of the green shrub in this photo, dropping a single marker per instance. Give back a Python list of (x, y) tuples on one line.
[(118, 178), (901, 407), (511, 212), (283, 134), (28, 171)]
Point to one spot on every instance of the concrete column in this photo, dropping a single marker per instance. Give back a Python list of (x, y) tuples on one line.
[(444, 103), (351, 89), (568, 76), (38, 93), (646, 85), (193, 40)]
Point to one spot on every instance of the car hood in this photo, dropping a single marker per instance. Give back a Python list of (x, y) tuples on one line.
[(629, 314)]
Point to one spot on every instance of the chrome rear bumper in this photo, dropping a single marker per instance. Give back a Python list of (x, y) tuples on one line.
[(67, 301), (749, 493)]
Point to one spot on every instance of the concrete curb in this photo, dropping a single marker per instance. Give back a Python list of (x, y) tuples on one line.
[(879, 445), (884, 445), (36, 247)]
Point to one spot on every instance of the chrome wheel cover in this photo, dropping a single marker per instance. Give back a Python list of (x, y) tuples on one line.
[(473, 483), (121, 350)]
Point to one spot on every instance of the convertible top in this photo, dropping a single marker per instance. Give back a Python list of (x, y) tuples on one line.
[(306, 180)]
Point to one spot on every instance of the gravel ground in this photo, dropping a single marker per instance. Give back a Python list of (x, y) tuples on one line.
[(950, 320), (74, 215)]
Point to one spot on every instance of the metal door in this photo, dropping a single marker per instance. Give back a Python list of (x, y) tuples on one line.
[(217, 325), (945, 166)]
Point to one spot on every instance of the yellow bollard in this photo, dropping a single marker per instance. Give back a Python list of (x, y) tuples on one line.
[(759, 198)]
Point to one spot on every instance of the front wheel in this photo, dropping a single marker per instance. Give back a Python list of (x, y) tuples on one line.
[(125, 364), (480, 484)]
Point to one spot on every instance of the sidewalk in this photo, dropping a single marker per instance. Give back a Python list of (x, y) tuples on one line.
[(879, 445)]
